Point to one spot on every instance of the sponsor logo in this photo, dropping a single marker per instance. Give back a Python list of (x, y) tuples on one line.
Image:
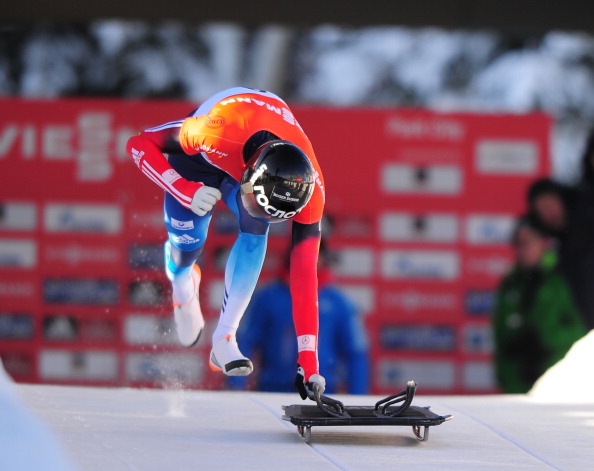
[(306, 343), (146, 293), (320, 185), (215, 121), (494, 266), (489, 229), (432, 338), (137, 155), (145, 329), (413, 300), (68, 328), (147, 220), (422, 155), (478, 338), (17, 289), (350, 226), (355, 262), (258, 173), (95, 137), (430, 264), (479, 376), (362, 296), (81, 291), (182, 225), (18, 253), (18, 216), (90, 140), (99, 218), (79, 365), (433, 179), (211, 150), (263, 201), (286, 197), (60, 328), (16, 326), (77, 254), (428, 228), (479, 302), (146, 256), (283, 112), (434, 128), (164, 368), (105, 330), (507, 157), (170, 176), (183, 239), (432, 374)]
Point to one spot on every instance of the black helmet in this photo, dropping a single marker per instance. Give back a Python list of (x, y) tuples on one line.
[(277, 182)]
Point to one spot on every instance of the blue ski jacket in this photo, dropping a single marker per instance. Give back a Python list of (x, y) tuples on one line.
[(267, 335)]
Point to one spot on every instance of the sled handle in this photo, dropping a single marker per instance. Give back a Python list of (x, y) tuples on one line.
[(330, 406), (405, 396)]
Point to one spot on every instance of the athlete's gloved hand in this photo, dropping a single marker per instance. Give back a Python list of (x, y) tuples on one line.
[(316, 384), (204, 200)]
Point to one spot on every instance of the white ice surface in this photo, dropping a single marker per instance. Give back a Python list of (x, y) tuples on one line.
[(156, 430)]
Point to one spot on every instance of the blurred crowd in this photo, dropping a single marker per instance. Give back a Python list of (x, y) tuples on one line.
[(546, 302)]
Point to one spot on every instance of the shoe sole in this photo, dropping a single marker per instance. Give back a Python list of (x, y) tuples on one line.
[(233, 368)]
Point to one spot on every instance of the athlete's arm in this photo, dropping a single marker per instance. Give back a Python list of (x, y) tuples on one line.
[(148, 147), (304, 292)]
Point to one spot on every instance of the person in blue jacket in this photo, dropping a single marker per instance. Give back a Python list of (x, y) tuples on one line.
[(269, 335)]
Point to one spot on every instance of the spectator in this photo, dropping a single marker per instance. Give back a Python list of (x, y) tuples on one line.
[(270, 332), (550, 201), (535, 318), (566, 215)]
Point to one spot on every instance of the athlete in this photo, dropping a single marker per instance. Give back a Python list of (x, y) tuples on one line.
[(245, 147)]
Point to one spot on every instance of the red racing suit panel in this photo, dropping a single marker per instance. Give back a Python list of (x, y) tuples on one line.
[(147, 148), (304, 295)]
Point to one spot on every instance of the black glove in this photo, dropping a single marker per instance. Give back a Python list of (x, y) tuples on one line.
[(315, 385)]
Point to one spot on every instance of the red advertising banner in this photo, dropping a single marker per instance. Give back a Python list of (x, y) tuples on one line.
[(421, 207)]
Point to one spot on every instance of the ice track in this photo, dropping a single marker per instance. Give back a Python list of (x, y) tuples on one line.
[(100, 429)]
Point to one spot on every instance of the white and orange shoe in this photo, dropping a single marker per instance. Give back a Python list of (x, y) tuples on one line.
[(188, 316), (226, 357)]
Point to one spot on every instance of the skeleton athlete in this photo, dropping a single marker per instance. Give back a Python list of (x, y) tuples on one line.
[(245, 147)]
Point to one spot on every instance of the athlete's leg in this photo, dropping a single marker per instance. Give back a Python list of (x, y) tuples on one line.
[(187, 233), (243, 265), (241, 275)]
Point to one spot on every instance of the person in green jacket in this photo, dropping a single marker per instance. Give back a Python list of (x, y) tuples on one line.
[(535, 319)]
